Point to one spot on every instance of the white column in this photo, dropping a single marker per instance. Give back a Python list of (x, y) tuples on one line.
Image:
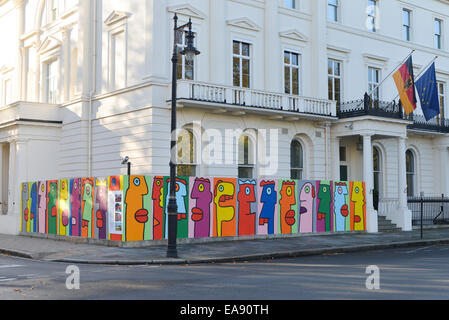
[(272, 47), (368, 177), (218, 42), (336, 158), (405, 216)]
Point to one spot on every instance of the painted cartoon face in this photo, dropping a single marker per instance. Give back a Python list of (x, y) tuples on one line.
[(269, 199), (33, 198), (25, 197), (137, 215), (225, 208), (247, 193), (75, 206), (88, 201), (181, 193), (357, 193), (63, 206), (340, 199), (287, 200), (157, 191), (158, 212), (42, 194), (288, 194), (138, 188), (324, 194), (64, 190), (52, 198), (357, 196), (306, 197), (224, 194), (201, 191)]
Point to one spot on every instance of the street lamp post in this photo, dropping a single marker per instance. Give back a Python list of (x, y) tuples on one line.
[(172, 209)]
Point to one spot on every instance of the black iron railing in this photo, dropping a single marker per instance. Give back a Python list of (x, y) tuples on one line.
[(368, 106), (432, 210), (371, 107), (436, 124)]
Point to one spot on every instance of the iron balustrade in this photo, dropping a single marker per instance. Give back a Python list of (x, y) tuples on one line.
[(429, 210), (435, 124), (393, 110)]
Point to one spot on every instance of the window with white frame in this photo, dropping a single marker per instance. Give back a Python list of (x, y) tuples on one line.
[(411, 173), (186, 154), (377, 175), (406, 24), (344, 172), (292, 4), (246, 157), (334, 81), (332, 10), (372, 22), (241, 64), (291, 73), (51, 82), (438, 33), (373, 85), (296, 160), (185, 68)]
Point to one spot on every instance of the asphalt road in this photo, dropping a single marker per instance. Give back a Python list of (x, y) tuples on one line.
[(406, 273)]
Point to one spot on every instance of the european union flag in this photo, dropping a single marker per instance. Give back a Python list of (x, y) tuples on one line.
[(428, 93)]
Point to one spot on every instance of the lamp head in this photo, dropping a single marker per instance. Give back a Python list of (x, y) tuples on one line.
[(125, 160), (190, 51)]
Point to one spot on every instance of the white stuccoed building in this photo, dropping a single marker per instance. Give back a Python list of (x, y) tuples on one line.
[(84, 83)]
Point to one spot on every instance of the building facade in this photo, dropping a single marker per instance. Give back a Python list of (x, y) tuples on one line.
[(277, 91)]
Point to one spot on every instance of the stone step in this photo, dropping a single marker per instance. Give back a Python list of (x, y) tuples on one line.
[(385, 225)]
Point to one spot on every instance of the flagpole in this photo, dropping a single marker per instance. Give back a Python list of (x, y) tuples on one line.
[(421, 73), (387, 77), (394, 70)]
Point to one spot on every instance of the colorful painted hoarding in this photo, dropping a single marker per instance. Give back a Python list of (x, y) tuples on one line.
[(134, 208)]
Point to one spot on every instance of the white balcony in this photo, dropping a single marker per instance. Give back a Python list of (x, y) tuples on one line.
[(199, 94)]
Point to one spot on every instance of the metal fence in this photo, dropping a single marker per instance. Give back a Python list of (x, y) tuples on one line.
[(429, 210)]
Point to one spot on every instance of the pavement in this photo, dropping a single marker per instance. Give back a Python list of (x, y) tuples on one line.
[(58, 250)]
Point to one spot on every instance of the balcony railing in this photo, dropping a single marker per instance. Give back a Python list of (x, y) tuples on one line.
[(391, 110), (370, 107), (206, 92), (435, 124)]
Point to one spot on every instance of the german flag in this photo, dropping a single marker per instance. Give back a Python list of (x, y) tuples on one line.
[(405, 82)]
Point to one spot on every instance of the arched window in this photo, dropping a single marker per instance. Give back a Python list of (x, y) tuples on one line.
[(377, 173), (296, 160), (186, 154), (411, 172), (246, 157)]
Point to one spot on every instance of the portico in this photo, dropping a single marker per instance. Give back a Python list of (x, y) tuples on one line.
[(358, 137)]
